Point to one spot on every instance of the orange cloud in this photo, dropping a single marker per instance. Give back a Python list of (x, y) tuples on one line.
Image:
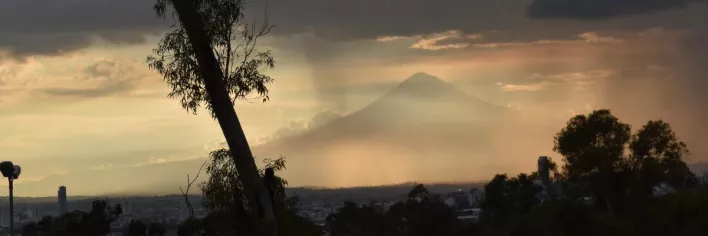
[(518, 87), (437, 41), (578, 79)]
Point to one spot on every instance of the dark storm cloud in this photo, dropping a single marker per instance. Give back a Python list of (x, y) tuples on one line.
[(599, 9), (371, 18), (46, 27), (368, 19)]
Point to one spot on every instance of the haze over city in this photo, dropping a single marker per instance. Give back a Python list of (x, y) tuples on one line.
[(365, 92)]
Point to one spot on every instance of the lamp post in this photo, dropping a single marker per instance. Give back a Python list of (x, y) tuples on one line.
[(11, 172)]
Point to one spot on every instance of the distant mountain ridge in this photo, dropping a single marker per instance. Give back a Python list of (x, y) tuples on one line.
[(421, 118), (425, 95), (425, 86), (415, 101)]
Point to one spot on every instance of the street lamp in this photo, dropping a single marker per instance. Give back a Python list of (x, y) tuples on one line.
[(11, 172)]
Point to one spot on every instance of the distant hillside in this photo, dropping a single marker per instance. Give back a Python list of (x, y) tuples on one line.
[(420, 102), (423, 129)]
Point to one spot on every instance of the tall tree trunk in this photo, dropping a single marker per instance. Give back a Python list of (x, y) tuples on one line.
[(253, 187)]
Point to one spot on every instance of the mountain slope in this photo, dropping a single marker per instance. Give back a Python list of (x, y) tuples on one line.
[(414, 129), (422, 102), (420, 97)]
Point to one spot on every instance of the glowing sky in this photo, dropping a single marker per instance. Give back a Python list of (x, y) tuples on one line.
[(77, 95)]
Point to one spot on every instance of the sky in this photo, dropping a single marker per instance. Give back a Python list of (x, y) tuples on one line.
[(76, 95)]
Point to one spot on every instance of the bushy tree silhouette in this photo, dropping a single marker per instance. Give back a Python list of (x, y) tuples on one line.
[(210, 59), (137, 228), (156, 229), (595, 147), (506, 198), (225, 201), (93, 223), (421, 214), (604, 161)]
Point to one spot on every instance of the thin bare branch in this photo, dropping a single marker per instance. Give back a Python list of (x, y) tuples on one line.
[(185, 192)]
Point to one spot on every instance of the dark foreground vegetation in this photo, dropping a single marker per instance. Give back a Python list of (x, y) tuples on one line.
[(610, 182)]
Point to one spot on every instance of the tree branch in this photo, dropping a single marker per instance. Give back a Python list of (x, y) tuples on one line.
[(185, 192)]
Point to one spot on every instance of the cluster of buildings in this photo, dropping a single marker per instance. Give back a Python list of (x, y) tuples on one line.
[(466, 203), (318, 211)]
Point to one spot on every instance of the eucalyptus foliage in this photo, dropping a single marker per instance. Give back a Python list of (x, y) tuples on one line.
[(235, 45), (224, 189)]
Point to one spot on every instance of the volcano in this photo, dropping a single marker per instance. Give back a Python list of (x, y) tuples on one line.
[(424, 129)]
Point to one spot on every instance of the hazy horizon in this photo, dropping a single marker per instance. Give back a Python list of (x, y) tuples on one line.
[(80, 107)]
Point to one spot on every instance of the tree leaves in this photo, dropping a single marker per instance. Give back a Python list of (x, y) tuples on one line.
[(234, 44), (225, 200), (592, 143), (426, 215)]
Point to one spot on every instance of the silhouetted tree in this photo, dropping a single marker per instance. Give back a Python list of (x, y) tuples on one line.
[(562, 217), (418, 218), (594, 148), (77, 223), (418, 192), (156, 229), (191, 227), (421, 214), (657, 156), (210, 59), (137, 228), (223, 191), (224, 198), (351, 219), (506, 199), (619, 170)]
